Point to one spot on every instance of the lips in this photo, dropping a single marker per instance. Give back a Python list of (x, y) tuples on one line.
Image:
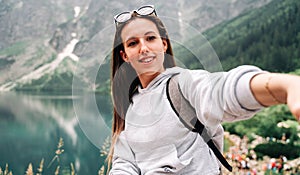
[(147, 59)]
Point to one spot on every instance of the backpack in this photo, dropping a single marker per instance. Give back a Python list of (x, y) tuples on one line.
[(187, 115)]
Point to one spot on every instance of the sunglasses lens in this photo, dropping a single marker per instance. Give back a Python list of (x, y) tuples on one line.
[(123, 17), (142, 11), (146, 10)]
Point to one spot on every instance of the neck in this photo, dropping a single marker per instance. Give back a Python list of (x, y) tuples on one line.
[(145, 79)]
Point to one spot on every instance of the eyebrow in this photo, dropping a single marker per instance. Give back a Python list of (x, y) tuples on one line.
[(147, 33)]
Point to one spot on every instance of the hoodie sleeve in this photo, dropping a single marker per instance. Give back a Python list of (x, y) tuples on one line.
[(123, 159), (123, 167), (220, 96)]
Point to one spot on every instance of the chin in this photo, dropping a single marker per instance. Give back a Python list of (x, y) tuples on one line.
[(151, 70)]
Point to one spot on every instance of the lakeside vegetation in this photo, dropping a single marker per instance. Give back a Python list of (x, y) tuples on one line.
[(59, 168)]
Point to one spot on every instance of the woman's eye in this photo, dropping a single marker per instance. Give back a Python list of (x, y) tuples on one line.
[(150, 38), (132, 43)]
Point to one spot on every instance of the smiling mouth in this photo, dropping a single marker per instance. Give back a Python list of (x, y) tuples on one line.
[(146, 60)]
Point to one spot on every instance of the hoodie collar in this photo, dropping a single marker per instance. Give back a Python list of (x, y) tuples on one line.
[(159, 78)]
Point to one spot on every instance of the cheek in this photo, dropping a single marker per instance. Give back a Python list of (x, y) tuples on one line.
[(161, 56), (131, 53), (159, 47)]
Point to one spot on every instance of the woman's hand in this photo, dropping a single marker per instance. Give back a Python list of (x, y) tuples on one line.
[(293, 98), (273, 88)]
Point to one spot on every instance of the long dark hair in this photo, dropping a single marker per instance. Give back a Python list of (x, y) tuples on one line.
[(124, 80)]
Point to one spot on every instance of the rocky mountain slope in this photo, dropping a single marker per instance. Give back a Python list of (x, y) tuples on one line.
[(42, 42)]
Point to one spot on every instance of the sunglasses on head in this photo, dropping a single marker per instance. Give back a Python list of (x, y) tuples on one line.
[(145, 10)]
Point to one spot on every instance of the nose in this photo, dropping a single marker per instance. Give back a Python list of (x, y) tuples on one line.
[(144, 48)]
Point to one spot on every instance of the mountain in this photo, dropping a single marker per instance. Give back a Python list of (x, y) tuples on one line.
[(45, 44), (268, 37)]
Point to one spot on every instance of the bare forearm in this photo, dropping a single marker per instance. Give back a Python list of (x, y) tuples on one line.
[(269, 88), (273, 88)]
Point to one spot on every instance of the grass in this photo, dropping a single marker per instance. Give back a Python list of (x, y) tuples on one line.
[(58, 170)]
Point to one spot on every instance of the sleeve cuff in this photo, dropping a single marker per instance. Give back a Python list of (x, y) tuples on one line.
[(244, 93)]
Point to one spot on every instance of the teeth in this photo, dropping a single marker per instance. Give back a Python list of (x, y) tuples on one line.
[(146, 60)]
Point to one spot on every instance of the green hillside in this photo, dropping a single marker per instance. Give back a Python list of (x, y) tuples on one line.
[(268, 37)]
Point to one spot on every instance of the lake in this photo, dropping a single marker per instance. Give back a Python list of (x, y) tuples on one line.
[(31, 125)]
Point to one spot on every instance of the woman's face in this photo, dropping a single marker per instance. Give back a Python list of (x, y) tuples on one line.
[(144, 48)]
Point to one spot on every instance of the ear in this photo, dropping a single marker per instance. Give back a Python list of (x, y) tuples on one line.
[(165, 43), (124, 56)]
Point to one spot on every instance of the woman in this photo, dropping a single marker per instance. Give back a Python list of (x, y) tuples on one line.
[(148, 137)]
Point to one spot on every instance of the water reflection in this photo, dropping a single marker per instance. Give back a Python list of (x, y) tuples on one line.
[(31, 125)]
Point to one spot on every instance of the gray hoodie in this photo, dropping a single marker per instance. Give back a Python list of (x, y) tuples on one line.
[(154, 140)]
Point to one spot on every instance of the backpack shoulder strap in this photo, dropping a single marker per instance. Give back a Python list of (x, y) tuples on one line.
[(187, 115), (179, 104)]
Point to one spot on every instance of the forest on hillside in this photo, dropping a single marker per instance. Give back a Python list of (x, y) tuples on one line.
[(268, 37)]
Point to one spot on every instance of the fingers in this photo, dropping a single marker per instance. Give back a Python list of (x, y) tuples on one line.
[(294, 106), (293, 96)]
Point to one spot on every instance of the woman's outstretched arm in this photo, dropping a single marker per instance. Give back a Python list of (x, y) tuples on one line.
[(274, 88)]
